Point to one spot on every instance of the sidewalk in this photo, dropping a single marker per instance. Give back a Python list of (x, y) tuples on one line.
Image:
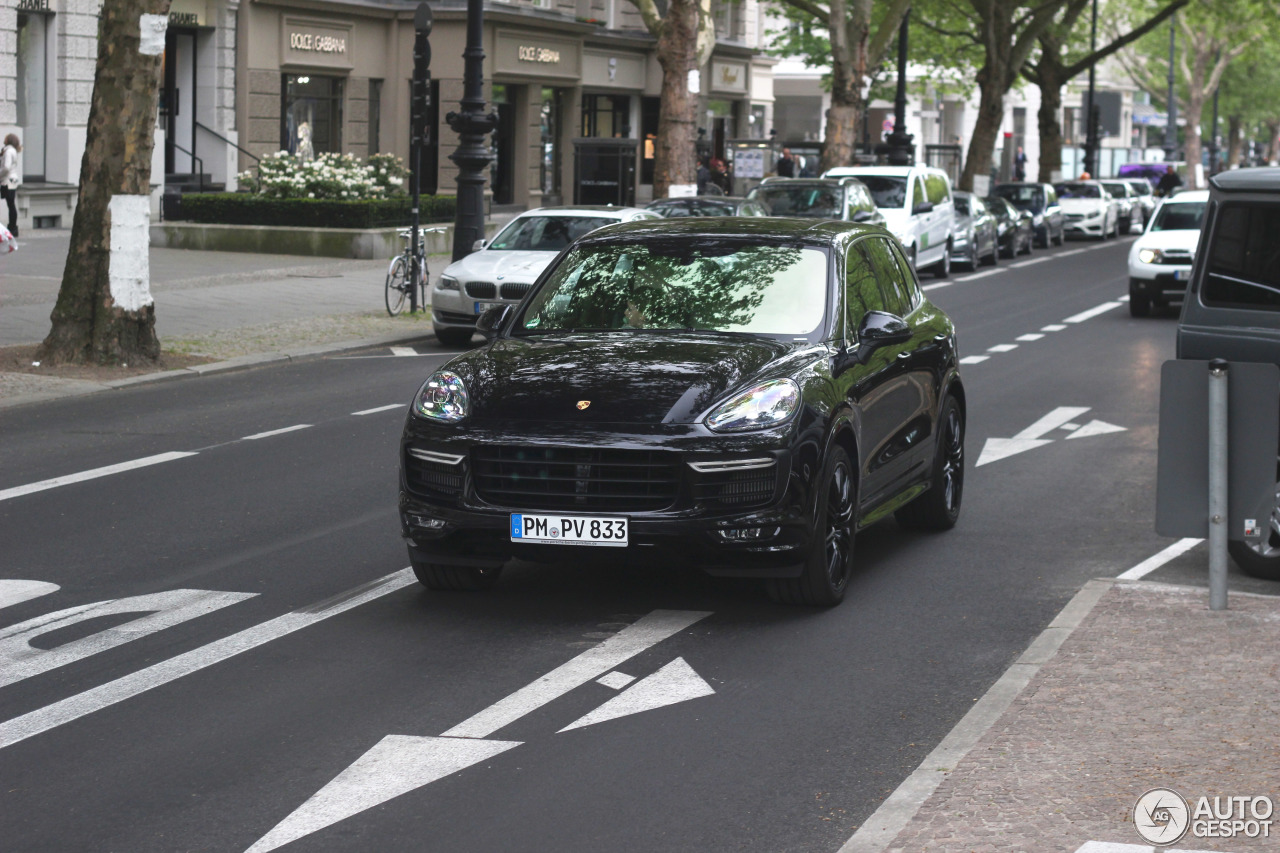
[(1134, 686)]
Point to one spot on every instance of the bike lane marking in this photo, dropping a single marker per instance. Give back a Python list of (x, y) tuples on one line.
[(73, 708), (18, 491)]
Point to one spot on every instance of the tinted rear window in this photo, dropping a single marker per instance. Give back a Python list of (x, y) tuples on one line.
[(1244, 259), (1026, 198)]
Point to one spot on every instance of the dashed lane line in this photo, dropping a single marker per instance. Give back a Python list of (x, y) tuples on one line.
[(107, 470), (1092, 312), (1053, 327), (73, 708), (974, 359), (1030, 336), (1002, 348), (1027, 263), (281, 431), (379, 409)]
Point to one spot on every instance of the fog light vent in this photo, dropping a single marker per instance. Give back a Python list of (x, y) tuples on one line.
[(748, 534)]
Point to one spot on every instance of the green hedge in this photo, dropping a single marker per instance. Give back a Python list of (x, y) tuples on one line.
[(250, 209)]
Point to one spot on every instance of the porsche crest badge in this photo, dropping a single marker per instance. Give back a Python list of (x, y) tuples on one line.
[(582, 404)]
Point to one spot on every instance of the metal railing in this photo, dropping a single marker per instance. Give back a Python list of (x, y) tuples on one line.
[(194, 160), (256, 159)]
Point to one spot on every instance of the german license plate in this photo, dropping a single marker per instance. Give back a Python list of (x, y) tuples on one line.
[(569, 529), (1181, 275), (481, 307)]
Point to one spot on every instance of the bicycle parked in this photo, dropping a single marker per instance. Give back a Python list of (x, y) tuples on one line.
[(398, 286)]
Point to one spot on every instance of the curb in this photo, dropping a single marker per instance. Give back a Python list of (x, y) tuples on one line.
[(231, 365), (879, 830)]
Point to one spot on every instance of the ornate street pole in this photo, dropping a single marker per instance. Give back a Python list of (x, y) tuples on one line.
[(901, 151), (420, 135), (471, 125), (1091, 114)]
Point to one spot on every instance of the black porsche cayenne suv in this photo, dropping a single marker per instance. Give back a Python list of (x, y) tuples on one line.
[(738, 394)]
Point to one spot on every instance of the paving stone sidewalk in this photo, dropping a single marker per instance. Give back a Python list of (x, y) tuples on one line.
[(1151, 690)]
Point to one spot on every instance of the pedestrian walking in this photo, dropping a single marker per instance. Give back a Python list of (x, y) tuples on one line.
[(1169, 182), (10, 178), (1020, 165), (786, 164)]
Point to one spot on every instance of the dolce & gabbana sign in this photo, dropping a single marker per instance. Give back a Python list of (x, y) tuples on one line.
[(310, 42), (537, 54)]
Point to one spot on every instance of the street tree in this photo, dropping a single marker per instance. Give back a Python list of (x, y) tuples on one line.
[(104, 313), (852, 37), (1064, 54), (1246, 95), (1213, 34), (686, 36)]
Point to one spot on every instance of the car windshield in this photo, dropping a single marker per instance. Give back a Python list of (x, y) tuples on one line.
[(547, 233), (1024, 198), (810, 201), (1141, 187), (701, 208), (1117, 190), (1078, 190), (1179, 216), (888, 191), (718, 286)]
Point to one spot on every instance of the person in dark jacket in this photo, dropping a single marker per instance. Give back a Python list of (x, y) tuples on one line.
[(1169, 183), (786, 164)]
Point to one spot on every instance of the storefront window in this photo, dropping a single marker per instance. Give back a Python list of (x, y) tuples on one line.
[(550, 148), (311, 121), (606, 115), (32, 92), (649, 108)]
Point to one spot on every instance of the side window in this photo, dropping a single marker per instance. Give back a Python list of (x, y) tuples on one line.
[(1244, 258), (917, 193), (907, 276), (861, 293), (936, 185), (897, 299), (1051, 195)]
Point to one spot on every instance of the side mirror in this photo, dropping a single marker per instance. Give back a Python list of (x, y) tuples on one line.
[(863, 216), (922, 207), (490, 322), (478, 245), (880, 328)]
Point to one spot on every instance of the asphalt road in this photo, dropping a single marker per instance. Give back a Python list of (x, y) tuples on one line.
[(254, 709)]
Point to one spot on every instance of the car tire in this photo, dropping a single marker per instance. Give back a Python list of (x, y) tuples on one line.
[(827, 569), (939, 507), (974, 259), (454, 337), (994, 260), (1029, 244), (1126, 225), (442, 578), (1139, 306), (1062, 236), (1013, 250), (1263, 560), (942, 269)]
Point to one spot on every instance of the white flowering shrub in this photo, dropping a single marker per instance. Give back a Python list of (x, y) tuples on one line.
[(329, 176)]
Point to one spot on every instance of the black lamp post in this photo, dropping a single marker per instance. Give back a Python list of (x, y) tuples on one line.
[(901, 148), (472, 125), (1171, 129), (1091, 113), (420, 135), (1213, 135)]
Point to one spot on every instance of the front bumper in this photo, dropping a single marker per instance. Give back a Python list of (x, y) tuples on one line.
[(1093, 226), (1158, 282), (463, 528)]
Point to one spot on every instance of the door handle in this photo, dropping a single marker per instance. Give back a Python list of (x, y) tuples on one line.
[(904, 355), (940, 337)]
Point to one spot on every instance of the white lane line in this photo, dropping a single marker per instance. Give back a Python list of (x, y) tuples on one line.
[(73, 708), (1149, 565), (1092, 312), (974, 359), (1028, 263), (1002, 348), (1124, 298), (280, 431), (1074, 252), (15, 591), (402, 351), (984, 274), (380, 409), (18, 491), (1053, 327), (588, 666), (1030, 336), (936, 286)]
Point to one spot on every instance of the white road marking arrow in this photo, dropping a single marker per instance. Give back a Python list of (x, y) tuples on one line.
[(1032, 437), (675, 682), (399, 763)]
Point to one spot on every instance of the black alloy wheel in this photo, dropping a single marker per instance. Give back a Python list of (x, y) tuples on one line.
[(442, 578), (939, 507), (1015, 246), (974, 259), (943, 268), (994, 260), (826, 572), (1261, 559)]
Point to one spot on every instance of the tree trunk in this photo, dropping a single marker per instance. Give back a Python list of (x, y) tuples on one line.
[(674, 159), (990, 116), (1047, 119), (849, 42), (104, 313), (1233, 141), (1191, 133), (1273, 142)]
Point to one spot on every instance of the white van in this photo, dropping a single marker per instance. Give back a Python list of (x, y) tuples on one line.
[(917, 207)]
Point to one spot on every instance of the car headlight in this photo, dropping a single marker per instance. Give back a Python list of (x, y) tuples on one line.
[(1149, 256), (448, 282), (443, 398), (767, 404)]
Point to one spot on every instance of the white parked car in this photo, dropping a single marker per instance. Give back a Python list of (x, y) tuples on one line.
[(917, 207), (1088, 210), (505, 268), (1160, 260)]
